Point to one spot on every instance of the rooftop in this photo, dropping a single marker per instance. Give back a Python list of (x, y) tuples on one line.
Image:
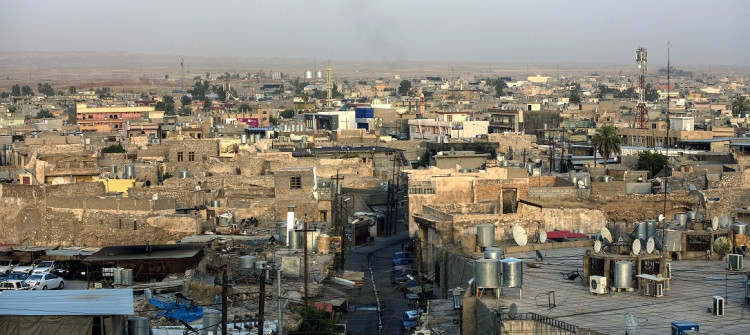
[(67, 302)]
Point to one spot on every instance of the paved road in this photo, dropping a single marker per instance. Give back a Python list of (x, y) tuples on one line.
[(363, 316)]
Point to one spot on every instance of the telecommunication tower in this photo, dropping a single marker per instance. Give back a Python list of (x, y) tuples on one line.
[(329, 86), (641, 57)]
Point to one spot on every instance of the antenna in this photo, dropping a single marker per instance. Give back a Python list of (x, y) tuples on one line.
[(519, 235), (641, 57), (182, 74), (666, 151)]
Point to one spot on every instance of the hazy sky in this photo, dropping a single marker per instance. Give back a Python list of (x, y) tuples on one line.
[(701, 32)]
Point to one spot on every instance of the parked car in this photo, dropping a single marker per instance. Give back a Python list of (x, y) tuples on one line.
[(70, 270), (16, 276), (14, 285), (402, 276), (45, 281), (401, 254), (45, 267), (7, 265), (27, 267), (413, 314), (403, 261)]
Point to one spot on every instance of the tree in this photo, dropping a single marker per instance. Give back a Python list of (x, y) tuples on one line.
[(15, 90), (287, 114), (404, 87), (651, 93), (4, 94), (740, 105), (185, 100), (207, 104), (314, 321), (244, 108), (500, 85), (72, 90), (113, 149), (653, 162), (185, 111), (166, 105), (424, 159), (607, 142), (44, 114), (47, 90), (26, 90)]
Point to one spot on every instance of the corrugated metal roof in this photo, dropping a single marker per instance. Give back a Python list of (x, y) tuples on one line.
[(67, 302), (150, 252)]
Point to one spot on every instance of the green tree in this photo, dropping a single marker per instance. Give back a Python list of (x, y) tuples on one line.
[(500, 85), (404, 87), (113, 149), (653, 162), (244, 108), (185, 100), (607, 142), (26, 90), (287, 114), (574, 97), (651, 93), (207, 104), (4, 94), (47, 90), (15, 90), (72, 90), (166, 105), (424, 159), (44, 114), (185, 111), (740, 105), (315, 321)]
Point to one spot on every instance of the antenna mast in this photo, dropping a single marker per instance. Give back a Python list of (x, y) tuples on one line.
[(329, 86), (641, 57), (663, 232), (182, 74)]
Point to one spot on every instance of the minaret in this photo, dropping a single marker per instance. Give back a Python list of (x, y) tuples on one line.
[(329, 86), (641, 58)]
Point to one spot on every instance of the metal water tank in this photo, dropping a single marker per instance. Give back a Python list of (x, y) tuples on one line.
[(129, 171), (512, 269), (486, 235), (117, 273), (295, 239), (243, 138), (324, 244), (211, 321), (641, 230), (485, 273), (184, 174), (247, 264), (127, 277), (623, 275), (739, 228), (113, 169), (650, 228), (681, 217), (493, 253), (138, 325), (691, 215), (282, 233), (259, 265), (215, 203), (312, 238)]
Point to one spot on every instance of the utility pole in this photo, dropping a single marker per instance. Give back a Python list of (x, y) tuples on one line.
[(280, 325), (261, 302), (224, 287), (304, 247), (336, 217)]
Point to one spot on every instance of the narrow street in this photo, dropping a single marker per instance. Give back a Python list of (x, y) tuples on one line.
[(363, 316)]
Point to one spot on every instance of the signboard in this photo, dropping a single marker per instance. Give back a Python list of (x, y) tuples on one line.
[(251, 122)]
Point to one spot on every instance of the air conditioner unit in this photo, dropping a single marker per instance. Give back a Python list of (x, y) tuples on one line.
[(735, 262), (659, 290), (669, 271), (598, 284), (718, 306)]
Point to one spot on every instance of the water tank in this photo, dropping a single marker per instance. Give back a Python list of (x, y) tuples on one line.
[(641, 230), (493, 253), (681, 217), (117, 276), (691, 215), (215, 203), (211, 321), (113, 169), (486, 235), (512, 269), (282, 233), (184, 174), (324, 244), (623, 274), (739, 228), (650, 228), (485, 273), (312, 237), (138, 325), (127, 277), (247, 264), (129, 171), (606, 179), (259, 265), (243, 139), (295, 239)]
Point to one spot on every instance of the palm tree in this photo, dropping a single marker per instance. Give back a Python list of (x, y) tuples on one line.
[(739, 105), (607, 141)]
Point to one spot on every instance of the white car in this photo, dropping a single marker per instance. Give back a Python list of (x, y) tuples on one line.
[(16, 285), (45, 267), (45, 281), (7, 265), (27, 267)]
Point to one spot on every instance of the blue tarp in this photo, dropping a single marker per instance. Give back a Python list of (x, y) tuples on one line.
[(180, 310)]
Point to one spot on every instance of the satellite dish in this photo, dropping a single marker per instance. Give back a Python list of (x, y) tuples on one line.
[(606, 236), (513, 309), (597, 246), (724, 221), (59, 181), (661, 217), (581, 184), (631, 325), (715, 223), (155, 197), (636, 248), (519, 235), (197, 187), (650, 245), (543, 237)]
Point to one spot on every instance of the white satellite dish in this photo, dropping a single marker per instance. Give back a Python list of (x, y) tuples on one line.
[(724, 221), (197, 187), (155, 197), (543, 237), (715, 223), (606, 236), (597, 246), (519, 235), (636, 247), (661, 217), (650, 245)]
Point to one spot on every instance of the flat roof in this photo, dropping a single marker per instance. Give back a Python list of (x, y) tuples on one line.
[(67, 302), (150, 252)]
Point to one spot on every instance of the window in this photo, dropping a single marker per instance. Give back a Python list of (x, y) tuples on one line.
[(179, 156), (295, 182), (191, 156), (323, 216)]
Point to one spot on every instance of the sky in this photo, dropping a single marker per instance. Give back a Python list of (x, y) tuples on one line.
[(536, 32)]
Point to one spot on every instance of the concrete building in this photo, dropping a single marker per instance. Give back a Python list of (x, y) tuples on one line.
[(107, 118)]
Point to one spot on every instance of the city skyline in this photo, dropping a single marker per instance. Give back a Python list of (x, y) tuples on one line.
[(701, 33)]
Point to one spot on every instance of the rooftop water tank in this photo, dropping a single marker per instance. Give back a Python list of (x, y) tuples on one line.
[(129, 171), (641, 230), (486, 235), (127, 277), (211, 321), (138, 325), (623, 275), (681, 217), (512, 269), (650, 228), (485, 273), (691, 215), (739, 228), (493, 253), (247, 264), (184, 174)]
